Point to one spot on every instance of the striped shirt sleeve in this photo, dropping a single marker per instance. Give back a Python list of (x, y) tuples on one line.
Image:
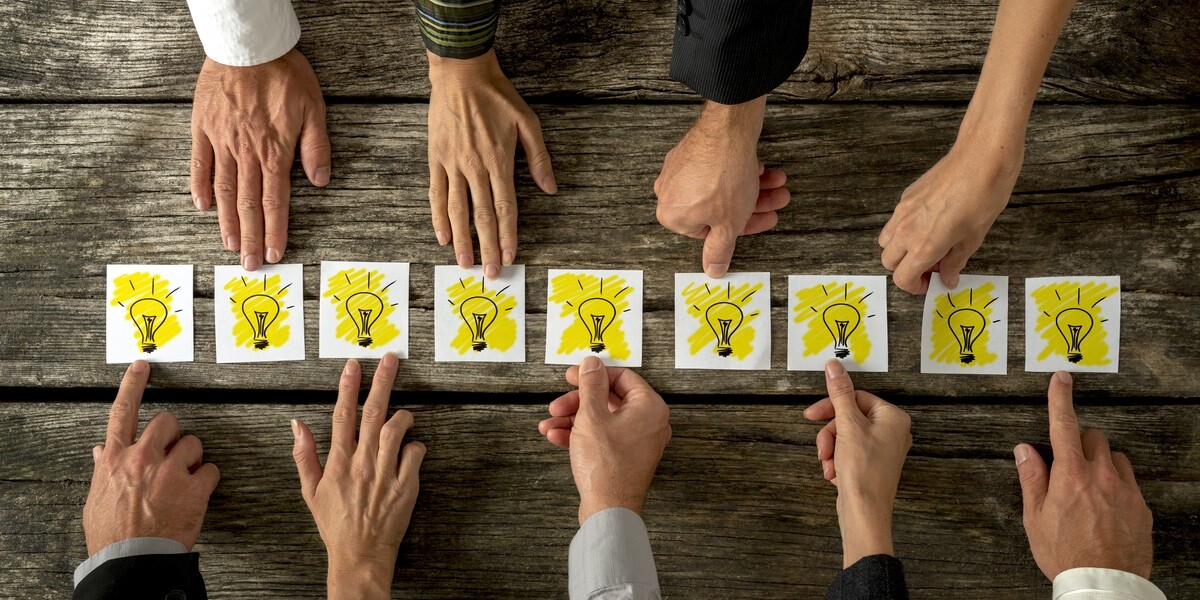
[(458, 28)]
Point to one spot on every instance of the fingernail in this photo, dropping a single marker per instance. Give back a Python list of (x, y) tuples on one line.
[(507, 257), (231, 243), (389, 361), (273, 255), (1063, 377), (139, 366), (1021, 453), (351, 367), (321, 177), (250, 262), (464, 260), (589, 364), (491, 271), (295, 429), (834, 369), (443, 238), (196, 201), (716, 270), (549, 184)]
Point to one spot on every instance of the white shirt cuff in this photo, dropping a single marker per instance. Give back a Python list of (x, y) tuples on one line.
[(126, 548), (244, 33), (1093, 583), (610, 558)]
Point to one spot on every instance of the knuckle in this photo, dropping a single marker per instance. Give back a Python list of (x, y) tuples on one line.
[(484, 216), (246, 203), (274, 203), (506, 210), (225, 186), (404, 420), (341, 415), (371, 413), (361, 470)]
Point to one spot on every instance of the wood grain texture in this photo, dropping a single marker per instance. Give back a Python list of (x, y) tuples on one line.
[(738, 508), (859, 50), (1106, 190)]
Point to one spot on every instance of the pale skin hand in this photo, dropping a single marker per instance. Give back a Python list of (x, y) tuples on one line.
[(942, 218), (157, 486), (476, 119), (862, 452), (246, 123), (363, 498), (616, 428), (712, 186), (1087, 509)]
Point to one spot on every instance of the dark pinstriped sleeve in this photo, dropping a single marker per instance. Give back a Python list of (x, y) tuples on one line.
[(733, 51), (875, 577), (458, 28)]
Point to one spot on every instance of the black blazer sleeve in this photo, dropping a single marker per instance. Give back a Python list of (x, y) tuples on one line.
[(145, 577), (876, 577), (733, 51)]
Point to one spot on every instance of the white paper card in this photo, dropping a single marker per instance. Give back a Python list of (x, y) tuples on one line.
[(723, 323), (1072, 324), (149, 314), (965, 330), (837, 316), (595, 313), (476, 319), (259, 315), (364, 309)]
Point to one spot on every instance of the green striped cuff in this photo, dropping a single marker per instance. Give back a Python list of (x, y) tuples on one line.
[(458, 28)]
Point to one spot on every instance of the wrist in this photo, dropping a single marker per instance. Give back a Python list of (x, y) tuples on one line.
[(866, 527), (359, 580), (739, 121), (442, 70), (591, 506)]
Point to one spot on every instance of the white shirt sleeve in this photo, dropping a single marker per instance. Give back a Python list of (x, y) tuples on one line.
[(1091, 583), (126, 548), (610, 559), (244, 33)]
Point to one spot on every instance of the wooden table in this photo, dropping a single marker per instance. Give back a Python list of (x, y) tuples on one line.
[(94, 148)]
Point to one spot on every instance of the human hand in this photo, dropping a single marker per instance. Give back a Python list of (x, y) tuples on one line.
[(616, 428), (1087, 511), (712, 186), (862, 452), (476, 118), (943, 216), (157, 486), (246, 122), (363, 498)]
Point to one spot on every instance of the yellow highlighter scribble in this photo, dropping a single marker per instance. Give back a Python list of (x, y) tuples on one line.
[(485, 314), (146, 298), (1069, 319), (722, 320), (260, 309), (597, 305), (834, 313), (362, 309), (961, 326)]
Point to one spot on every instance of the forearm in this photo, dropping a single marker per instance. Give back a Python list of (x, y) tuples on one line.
[(866, 527), (1022, 40)]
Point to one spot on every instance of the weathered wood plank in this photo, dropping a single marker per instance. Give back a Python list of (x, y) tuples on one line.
[(860, 50), (738, 508), (1106, 190)]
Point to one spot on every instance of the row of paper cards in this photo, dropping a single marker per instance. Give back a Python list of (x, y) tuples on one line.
[(1072, 323)]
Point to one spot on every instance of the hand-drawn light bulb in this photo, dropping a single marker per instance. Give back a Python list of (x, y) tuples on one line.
[(148, 315), (597, 315), (841, 320), (723, 319), (1074, 324), (478, 312), (966, 324), (260, 311), (364, 309)]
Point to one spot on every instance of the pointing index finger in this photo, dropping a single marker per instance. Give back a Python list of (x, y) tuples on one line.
[(123, 417), (1064, 425)]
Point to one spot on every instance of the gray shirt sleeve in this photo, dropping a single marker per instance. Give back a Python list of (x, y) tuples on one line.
[(610, 559), (127, 548)]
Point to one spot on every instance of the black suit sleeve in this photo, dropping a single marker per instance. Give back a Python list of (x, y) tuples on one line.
[(876, 577), (145, 577), (733, 51)]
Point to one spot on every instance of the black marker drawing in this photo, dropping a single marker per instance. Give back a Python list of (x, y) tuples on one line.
[(148, 316), (260, 311), (597, 315), (364, 308), (478, 312), (966, 325), (841, 320), (724, 319), (1074, 325)]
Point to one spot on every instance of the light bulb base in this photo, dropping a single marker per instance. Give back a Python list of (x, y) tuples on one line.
[(597, 347), (149, 347), (365, 341), (841, 352), (966, 358), (260, 344), (478, 346), (724, 351), (1075, 357)]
